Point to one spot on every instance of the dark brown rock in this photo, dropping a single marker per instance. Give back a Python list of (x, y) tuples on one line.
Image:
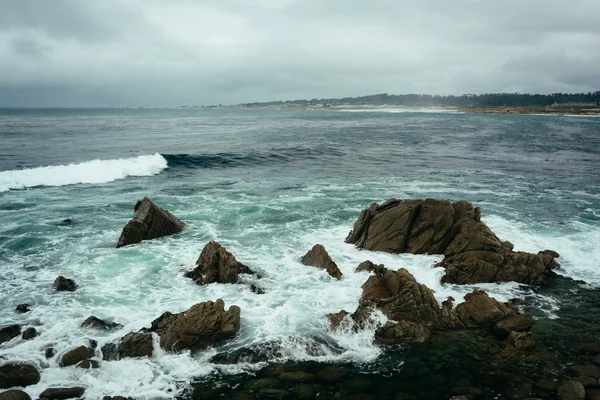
[(62, 284), (402, 332), (518, 323), (318, 257), (9, 332), (149, 222), (29, 333), (571, 390), (88, 364), (203, 325), (516, 343), (62, 393), (49, 352), (73, 357), (217, 265), (587, 370), (335, 319), (586, 381), (473, 253), (14, 395), (370, 267), (136, 345), (99, 324), (23, 308), (297, 377), (256, 289), (18, 374), (479, 309)]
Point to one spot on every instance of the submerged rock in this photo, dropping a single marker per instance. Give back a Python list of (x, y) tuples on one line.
[(23, 308), (62, 393), (217, 265), (203, 325), (149, 222), (29, 333), (97, 323), (473, 253), (318, 257), (18, 374), (572, 390), (14, 395), (9, 332), (62, 284)]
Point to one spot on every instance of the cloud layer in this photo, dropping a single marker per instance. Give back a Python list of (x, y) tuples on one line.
[(157, 53)]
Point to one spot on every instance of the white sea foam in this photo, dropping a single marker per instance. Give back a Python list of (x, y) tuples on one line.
[(398, 110), (95, 171)]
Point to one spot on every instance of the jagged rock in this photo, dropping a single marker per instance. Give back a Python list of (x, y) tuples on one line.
[(518, 323), (134, 344), (18, 374), (9, 332), (149, 222), (479, 309), (74, 356), (62, 284), (88, 364), (318, 257), (370, 267), (62, 393), (335, 319), (472, 252), (203, 325), (96, 323), (14, 395), (23, 308), (216, 264), (571, 390), (402, 332), (29, 333)]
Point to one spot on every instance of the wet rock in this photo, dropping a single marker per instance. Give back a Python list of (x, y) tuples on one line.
[(331, 375), (49, 352), (297, 377), (546, 385), (14, 395), (89, 364), (65, 222), (335, 319), (586, 381), (9, 332), (149, 222), (110, 352), (303, 391), (93, 322), (516, 343), (518, 323), (467, 391), (479, 309), (62, 393), (18, 374), (587, 370), (592, 394), (370, 267), (29, 333), (318, 257), (273, 394), (62, 284), (217, 265), (203, 325), (472, 252), (256, 289), (73, 357), (23, 308), (402, 332), (136, 345), (571, 391)]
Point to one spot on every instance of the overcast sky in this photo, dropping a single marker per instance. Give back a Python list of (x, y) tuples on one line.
[(169, 53)]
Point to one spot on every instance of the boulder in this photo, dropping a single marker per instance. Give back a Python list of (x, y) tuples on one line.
[(88, 364), (203, 325), (74, 356), (472, 252), (571, 390), (370, 267), (149, 222), (18, 374), (62, 393), (23, 308), (518, 323), (49, 352), (101, 325), (217, 265), (29, 333), (9, 332), (318, 257), (481, 310), (62, 284), (14, 395), (134, 344)]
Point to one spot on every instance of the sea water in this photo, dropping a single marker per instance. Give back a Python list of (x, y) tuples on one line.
[(267, 185)]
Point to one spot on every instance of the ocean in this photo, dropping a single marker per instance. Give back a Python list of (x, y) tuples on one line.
[(268, 185)]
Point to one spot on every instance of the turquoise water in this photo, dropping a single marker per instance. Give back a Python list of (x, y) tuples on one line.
[(268, 185)]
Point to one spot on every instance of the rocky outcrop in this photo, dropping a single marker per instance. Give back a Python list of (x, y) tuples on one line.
[(203, 325), (370, 267), (62, 284), (318, 257), (9, 332), (217, 265), (74, 356), (149, 222), (472, 252), (17, 374), (134, 344), (99, 324), (414, 312), (62, 393)]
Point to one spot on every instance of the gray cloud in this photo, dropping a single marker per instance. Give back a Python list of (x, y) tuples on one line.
[(156, 53)]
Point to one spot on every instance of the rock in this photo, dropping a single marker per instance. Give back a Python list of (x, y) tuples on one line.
[(516, 343), (587, 370), (335, 319), (370, 267), (14, 395), (96, 323), (586, 381), (149, 222), (9, 332), (256, 289), (136, 345), (596, 359), (49, 352), (62, 393), (297, 377), (592, 394), (29, 333), (472, 252), (23, 308), (67, 221), (318, 257), (273, 394), (216, 264), (479, 309), (402, 332), (89, 364), (571, 391), (203, 325), (18, 374), (74, 356), (62, 284), (546, 385), (303, 391), (110, 352), (518, 323)]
